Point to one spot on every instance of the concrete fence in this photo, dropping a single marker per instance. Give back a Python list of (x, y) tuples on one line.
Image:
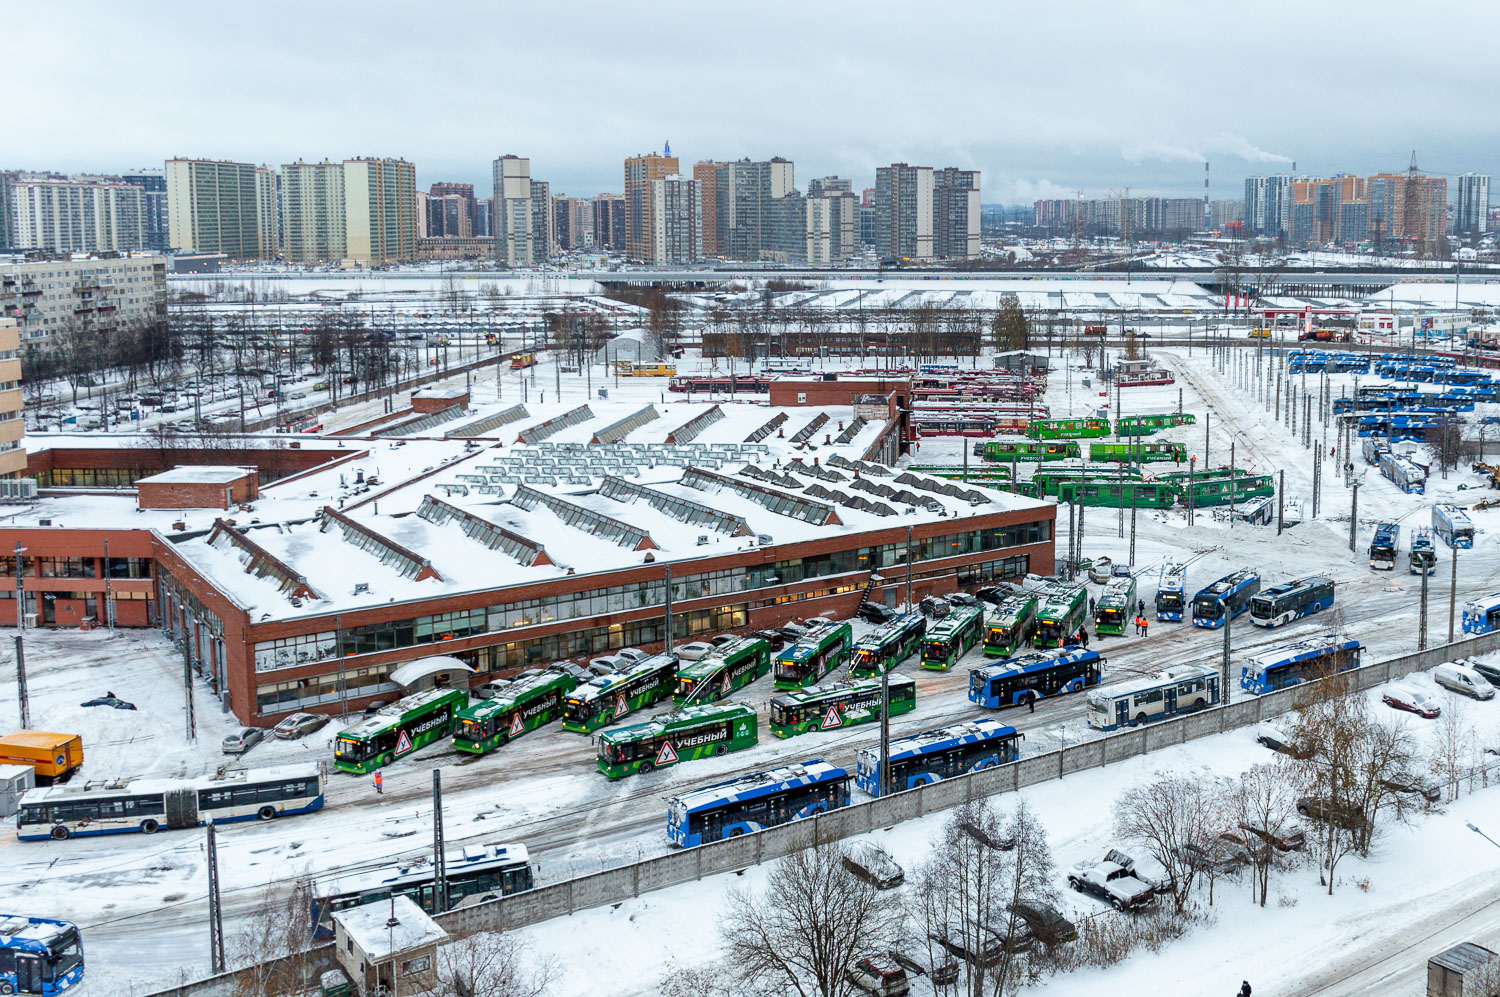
[(614, 885)]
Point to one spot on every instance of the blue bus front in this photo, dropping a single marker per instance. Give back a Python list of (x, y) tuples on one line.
[(39, 955), (677, 826), (1208, 611), (1169, 604), (867, 772)]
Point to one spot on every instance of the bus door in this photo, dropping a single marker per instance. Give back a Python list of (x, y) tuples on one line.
[(1170, 696), (1122, 711), (28, 973), (1492, 618)]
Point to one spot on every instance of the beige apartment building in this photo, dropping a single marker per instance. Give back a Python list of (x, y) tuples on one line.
[(213, 207), (380, 211), (641, 172), (313, 218), (12, 426), (47, 297)]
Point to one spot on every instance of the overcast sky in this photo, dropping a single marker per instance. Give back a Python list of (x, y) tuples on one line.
[(1045, 98)]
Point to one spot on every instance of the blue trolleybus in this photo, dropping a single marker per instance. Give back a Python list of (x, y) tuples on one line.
[(935, 755), (1482, 615), (1453, 525), (39, 955), (1422, 556), (1171, 592), (1281, 604), (1028, 677), (755, 802), (1383, 547), (1229, 596), (1295, 663)]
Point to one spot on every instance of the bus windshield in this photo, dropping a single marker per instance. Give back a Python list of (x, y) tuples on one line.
[(1207, 607), (353, 750), (784, 715), (864, 657), (64, 955), (1169, 600)]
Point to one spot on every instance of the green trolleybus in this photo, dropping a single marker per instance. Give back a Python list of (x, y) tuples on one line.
[(1006, 449), (726, 669), (838, 704), (885, 648), (981, 473), (1067, 429), (951, 636), (694, 732), (814, 656), (1145, 453), (1145, 425), (1062, 612), (1048, 481), (1116, 606), (608, 698), (1008, 626), (1115, 494), (398, 729), (520, 706), (1214, 487)]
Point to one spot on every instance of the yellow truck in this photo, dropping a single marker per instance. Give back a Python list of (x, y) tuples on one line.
[(53, 756)]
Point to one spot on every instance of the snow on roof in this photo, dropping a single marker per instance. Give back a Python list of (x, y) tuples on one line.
[(439, 391), (203, 474), (414, 671), (383, 930)]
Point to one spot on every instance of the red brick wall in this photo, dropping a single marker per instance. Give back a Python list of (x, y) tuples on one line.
[(197, 495), (425, 405)]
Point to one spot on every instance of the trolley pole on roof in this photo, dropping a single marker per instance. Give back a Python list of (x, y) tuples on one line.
[(215, 910), (439, 861)]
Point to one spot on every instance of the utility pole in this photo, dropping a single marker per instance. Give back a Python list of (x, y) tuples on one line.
[(1231, 484), (109, 599), (1206, 420), (1081, 509), (1192, 462), (1227, 616), (1280, 500), (187, 682), (1317, 479), (338, 649), (1422, 615), (1353, 514), (667, 600), (20, 590), (1452, 588), (216, 955), (21, 695), (909, 603), (885, 728), (1135, 494), (439, 858)]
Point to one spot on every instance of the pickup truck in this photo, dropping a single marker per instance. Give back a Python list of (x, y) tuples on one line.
[(1112, 879)]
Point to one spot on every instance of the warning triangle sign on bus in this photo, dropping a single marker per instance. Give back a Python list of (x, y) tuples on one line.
[(403, 742), (666, 756), (515, 724), (621, 707), (726, 687), (833, 719)]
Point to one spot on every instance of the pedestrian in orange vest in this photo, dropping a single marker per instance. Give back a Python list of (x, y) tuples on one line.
[(379, 783)]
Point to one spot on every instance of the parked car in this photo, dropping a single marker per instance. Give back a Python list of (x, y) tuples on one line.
[(996, 594), (880, 975), (986, 949), (793, 632), (692, 651), (632, 654), (491, 689), (1216, 854), (1112, 881), (815, 622), (1276, 739), (601, 666), (874, 612), (375, 706), (243, 741), (874, 865), (773, 638), (919, 959), (1318, 808), (934, 607), (961, 599), (299, 725), (1404, 697), (719, 640), (1045, 922), (1410, 782), (1122, 571), (1463, 680), (614, 662)]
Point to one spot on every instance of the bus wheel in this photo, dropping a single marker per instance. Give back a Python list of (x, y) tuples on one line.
[(6, 988), (737, 832), (266, 813), (721, 749), (1140, 718), (149, 826), (59, 833), (645, 767)]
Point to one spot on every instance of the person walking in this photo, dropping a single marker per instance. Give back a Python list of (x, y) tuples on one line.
[(1145, 627), (1091, 605), (1140, 607), (1244, 988), (379, 783), (1083, 637), (1031, 702)]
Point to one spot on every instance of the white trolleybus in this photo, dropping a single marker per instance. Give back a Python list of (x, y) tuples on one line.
[(1179, 689)]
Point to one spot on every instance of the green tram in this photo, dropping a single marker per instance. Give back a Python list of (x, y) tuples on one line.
[(1009, 625), (885, 648), (1067, 429), (520, 706), (694, 732), (1062, 612), (838, 704), (402, 727), (951, 637), (1213, 487), (806, 662), (1116, 606), (1007, 449), (1113, 494), (722, 671), (1138, 451), (958, 472), (1048, 480), (1145, 425)]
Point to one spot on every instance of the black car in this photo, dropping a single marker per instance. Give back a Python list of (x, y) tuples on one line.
[(772, 637), (994, 594), (1489, 673), (1046, 923), (874, 612), (934, 606)]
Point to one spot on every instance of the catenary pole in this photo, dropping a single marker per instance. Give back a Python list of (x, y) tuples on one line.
[(1452, 588)]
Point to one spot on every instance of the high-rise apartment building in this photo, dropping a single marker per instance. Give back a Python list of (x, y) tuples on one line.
[(1408, 209), (706, 174), (484, 215), (12, 425), (749, 223), (609, 222), (313, 218), (380, 211), (268, 211), (212, 207), (82, 215), (833, 217), (1221, 213), (1327, 210), (514, 244), (955, 214), (543, 223), (640, 173), (677, 236), (903, 212), (48, 297), (7, 195), (574, 222), (1471, 214), (153, 184), (451, 211), (1268, 205)]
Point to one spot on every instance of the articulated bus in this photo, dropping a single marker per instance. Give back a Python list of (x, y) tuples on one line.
[(1060, 615), (755, 802), (1145, 425), (608, 698), (1218, 487), (1048, 481), (1453, 525), (1295, 663), (520, 706), (1008, 625), (148, 805), (1067, 429), (1383, 547), (39, 955), (1179, 689), (473, 875), (1029, 677), (1171, 591), (1023, 450), (951, 637), (814, 656), (838, 704), (1232, 593), (398, 729), (885, 648), (1144, 453), (693, 732), (1116, 607), (1281, 604), (722, 671), (639, 368), (935, 755), (1422, 556)]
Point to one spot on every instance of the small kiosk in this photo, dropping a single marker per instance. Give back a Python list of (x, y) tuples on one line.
[(388, 947)]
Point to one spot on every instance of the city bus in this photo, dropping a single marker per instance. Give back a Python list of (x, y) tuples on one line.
[(1481, 616), (1281, 604), (1145, 425), (1048, 481), (1231, 593), (1404, 473), (838, 704), (1020, 449), (399, 729), (520, 706), (522, 360), (1008, 625), (1061, 614), (1138, 452), (1453, 525), (473, 875), (608, 698), (814, 656), (641, 368), (725, 669), (1383, 547), (39, 955), (951, 637), (1179, 689), (692, 732), (1116, 607), (1422, 556), (885, 648), (1113, 494), (1295, 663), (1029, 677), (148, 805), (1067, 429), (755, 802), (935, 755), (1171, 591)]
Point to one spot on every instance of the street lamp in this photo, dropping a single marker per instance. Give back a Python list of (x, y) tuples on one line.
[(1486, 837)]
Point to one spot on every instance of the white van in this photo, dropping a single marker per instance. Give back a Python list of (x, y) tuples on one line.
[(1463, 679)]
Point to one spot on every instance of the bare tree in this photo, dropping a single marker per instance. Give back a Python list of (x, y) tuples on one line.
[(491, 964), (273, 944), (1170, 816), (1263, 806), (1451, 753), (806, 929)]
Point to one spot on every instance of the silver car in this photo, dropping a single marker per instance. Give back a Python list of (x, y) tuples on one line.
[(243, 741)]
